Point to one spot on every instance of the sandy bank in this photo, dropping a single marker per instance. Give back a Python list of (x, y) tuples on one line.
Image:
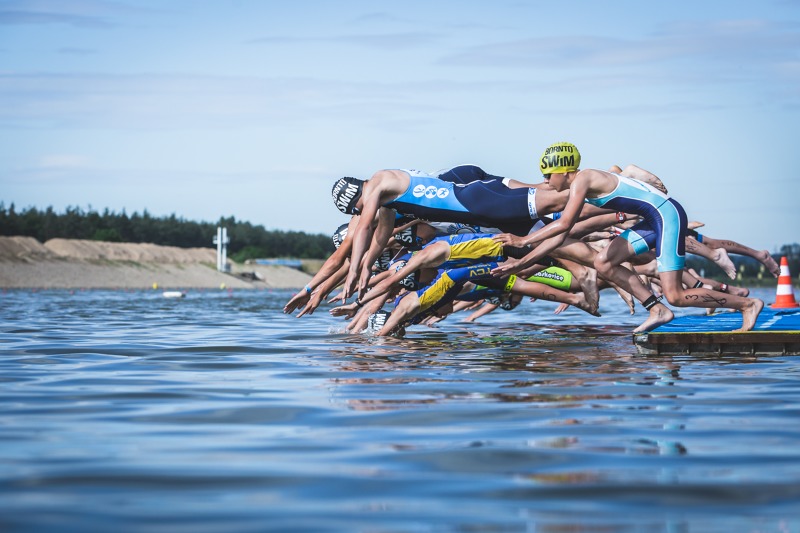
[(77, 264)]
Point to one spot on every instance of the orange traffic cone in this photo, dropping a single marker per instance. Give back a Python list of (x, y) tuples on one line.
[(785, 297)]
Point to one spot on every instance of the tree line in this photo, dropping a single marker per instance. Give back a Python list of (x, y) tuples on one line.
[(246, 240)]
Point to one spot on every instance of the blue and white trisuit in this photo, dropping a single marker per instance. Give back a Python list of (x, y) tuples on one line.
[(664, 221)]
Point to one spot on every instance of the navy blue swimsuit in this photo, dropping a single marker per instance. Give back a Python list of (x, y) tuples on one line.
[(485, 203)]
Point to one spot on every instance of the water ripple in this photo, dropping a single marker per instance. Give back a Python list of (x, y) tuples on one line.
[(126, 411)]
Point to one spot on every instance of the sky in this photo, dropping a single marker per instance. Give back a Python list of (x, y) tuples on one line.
[(251, 108)]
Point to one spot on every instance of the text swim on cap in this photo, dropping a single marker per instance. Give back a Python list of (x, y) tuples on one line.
[(377, 320), (339, 235), (559, 158), (410, 282), (383, 261), (346, 192), (408, 238)]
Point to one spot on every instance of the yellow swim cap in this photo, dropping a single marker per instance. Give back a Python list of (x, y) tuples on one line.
[(560, 157)]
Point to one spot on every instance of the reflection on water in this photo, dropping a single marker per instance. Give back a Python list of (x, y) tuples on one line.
[(127, 411)]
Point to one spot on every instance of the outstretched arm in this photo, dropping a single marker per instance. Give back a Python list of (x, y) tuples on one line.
[(596, 223), (487, 308), (380, 238), (513, 267), (331, 266), (362, 235), (322, 291), (380, 287), (431, 256), (552, 235)]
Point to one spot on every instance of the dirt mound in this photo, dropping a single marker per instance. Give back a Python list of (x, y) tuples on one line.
[(23, 249), (68, 264), (136, 252)]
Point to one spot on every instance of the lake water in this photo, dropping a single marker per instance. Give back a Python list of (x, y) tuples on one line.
[(126, 411)]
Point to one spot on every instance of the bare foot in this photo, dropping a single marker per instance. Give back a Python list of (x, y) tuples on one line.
[(584, 305), (750, 314), (626, 297), (659, 314), (769, 262), (588, 283), (722, 259)]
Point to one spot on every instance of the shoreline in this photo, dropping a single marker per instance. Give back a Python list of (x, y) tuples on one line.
[(75, 264)]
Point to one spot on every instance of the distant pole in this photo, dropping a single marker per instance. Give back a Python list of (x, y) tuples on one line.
[(221, 240), (224, 249)]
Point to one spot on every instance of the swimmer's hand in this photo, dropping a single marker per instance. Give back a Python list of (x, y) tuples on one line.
[(510, 240), (348, 311), (313, 303), (598, 236), (561, 308), (509, 266), (694, 225), (529, 271), (301, 298), (349, 285), (363, 281), (431, 320)]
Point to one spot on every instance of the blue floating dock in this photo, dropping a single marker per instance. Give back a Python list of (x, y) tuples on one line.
[(777, 332)]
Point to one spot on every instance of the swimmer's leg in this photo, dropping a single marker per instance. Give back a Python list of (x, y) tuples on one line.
[(733, 247), (720, 287), (702, 297), (586, 280), (609, 265), (545, 292), (717, 255)]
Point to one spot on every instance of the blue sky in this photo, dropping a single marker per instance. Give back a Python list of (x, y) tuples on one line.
[(252, 108)]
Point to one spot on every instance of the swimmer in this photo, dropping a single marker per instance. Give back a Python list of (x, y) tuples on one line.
[(437, 298), (462, 250), (492, 202), (663, 228)]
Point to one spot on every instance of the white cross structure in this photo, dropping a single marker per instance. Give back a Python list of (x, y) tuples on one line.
[(221, 240)]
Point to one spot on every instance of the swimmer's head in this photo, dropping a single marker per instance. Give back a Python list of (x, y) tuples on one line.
[(409, 238), (384, 261), (377, 320), (339, 235), (346, 192), (560, 158), (510, 302), (410, 282)]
